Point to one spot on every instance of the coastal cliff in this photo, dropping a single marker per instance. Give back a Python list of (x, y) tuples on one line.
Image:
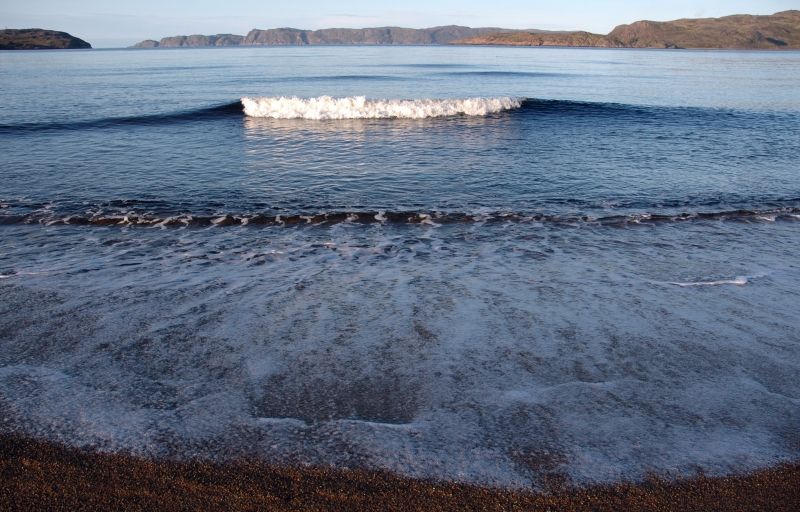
[(292, 36), (38, 39), (740, 32)]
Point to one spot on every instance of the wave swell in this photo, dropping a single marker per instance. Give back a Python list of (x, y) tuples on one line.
[(226, 110), (359, 107)]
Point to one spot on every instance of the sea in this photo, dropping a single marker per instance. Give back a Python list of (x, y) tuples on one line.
[(510, 267)]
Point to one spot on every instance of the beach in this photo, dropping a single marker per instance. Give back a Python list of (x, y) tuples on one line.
[(534, 276)]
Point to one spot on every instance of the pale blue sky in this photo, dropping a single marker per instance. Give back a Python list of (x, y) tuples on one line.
[(118, 23)]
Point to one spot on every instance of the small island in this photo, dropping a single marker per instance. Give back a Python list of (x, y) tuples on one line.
[(38, 39)]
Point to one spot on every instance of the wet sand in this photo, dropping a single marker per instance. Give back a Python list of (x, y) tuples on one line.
[(37, 475)]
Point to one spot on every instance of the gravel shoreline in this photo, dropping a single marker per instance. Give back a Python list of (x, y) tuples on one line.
[(38, 475)]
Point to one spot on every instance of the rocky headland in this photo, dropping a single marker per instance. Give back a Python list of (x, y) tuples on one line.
[(287, 36), (780, 31), (38, 39)]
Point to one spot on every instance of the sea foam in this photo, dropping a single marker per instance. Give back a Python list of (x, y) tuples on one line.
[(359, 107)]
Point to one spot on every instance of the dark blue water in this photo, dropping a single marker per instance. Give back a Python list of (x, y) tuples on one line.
[(598, 280), (545, 158)]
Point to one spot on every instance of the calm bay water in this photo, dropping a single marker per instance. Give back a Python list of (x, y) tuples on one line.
[(597, 279)]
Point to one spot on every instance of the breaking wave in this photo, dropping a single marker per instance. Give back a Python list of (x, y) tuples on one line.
[(359, 107)]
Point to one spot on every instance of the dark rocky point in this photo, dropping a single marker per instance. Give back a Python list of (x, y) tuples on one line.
[(38, 39)]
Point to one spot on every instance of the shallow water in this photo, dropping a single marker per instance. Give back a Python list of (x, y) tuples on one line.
[(595, 282)]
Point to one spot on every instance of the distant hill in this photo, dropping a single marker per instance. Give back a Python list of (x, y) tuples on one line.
[(195, 40), (535, 38), (287, 36), (38, 39), (780, 31)]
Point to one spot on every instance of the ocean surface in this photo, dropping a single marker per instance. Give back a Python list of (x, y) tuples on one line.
[(503, 266)]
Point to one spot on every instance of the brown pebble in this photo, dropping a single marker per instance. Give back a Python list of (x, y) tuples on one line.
[(38, 475)]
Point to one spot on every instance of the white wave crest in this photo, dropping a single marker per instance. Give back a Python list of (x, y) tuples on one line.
[(359, 107)]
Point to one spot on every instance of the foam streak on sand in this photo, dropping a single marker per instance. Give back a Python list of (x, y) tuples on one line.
[(359, 107)]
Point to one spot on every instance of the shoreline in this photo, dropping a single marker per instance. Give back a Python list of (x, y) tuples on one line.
[(40, 475)]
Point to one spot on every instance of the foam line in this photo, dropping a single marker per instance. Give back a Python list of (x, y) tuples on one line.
[(129, 217), (740, 281), (359, 107)]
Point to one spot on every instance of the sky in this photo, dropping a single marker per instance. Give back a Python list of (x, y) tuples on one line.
[(108, 23)]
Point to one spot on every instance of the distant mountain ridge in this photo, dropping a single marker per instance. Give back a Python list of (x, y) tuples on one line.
[(780, 31), (38, 39), (774, 32), (293, 36)]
